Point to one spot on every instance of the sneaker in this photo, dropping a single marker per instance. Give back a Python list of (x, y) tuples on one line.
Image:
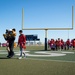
[(10, 56), (20, 58)]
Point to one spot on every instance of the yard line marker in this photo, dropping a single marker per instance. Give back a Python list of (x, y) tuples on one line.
[(51, 60)]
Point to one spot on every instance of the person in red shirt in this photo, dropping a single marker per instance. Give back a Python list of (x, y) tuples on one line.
[(73, 43), (68, 43), (56, 44), (62, 44), (21, 43), (59, 44), (52, 44)]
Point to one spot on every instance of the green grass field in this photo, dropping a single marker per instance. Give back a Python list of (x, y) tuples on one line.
[(37, 65)]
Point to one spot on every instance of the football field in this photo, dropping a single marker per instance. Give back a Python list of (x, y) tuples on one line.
[(38, 62)]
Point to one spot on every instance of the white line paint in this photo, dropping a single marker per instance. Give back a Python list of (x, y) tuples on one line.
[(40, 53), (51, 60)]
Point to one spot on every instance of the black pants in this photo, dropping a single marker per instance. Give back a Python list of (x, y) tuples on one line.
[(11, 46)]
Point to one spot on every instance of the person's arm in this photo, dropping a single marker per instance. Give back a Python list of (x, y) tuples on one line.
[(24, 42)]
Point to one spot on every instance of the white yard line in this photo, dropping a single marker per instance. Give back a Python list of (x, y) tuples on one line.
[(50, 60), (43, 54)]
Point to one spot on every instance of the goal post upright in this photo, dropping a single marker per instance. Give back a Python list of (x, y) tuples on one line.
[(46, 29), (72, 17), (22, 18)]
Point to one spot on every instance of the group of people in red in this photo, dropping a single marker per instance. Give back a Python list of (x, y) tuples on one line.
[(60, 44)]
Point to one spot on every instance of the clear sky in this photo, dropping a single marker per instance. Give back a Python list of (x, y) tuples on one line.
[(37, 14)]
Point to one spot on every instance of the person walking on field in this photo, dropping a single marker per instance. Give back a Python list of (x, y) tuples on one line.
[(21, 43), (10, 38)]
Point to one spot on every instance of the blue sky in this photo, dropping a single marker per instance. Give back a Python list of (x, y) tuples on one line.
[(37, 14)]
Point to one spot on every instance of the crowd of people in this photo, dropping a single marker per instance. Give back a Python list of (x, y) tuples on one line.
[(60, 44)]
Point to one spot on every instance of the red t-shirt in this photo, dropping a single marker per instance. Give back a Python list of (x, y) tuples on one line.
[(73, 42), (22, 40)]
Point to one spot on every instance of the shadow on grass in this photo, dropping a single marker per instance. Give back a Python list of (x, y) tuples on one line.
[(8, 58), (4, 58)]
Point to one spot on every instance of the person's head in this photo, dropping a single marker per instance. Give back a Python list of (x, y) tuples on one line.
[(14, 29), (20, 31), (58, 38), (7, 31)]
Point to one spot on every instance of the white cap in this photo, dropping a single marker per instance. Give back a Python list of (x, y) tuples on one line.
[(10, 29)]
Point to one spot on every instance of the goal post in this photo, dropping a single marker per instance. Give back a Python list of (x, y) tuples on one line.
[(46, 29)]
